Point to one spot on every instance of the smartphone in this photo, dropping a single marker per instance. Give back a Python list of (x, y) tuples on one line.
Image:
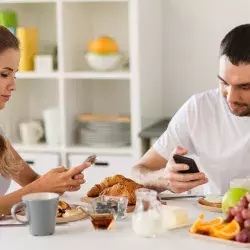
[(180, 159), (91, 159)]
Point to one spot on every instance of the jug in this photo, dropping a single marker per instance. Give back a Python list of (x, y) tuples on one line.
[(147, 218)]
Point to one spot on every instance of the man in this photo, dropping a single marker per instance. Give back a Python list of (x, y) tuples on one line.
[(213, 127)]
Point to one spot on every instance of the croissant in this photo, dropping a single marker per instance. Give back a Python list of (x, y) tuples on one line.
[(109, 182), (121, 190)]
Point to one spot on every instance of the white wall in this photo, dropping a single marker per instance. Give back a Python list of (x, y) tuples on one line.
[(193, 30)]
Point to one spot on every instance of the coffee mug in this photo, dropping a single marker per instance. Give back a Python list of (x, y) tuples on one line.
[(40, 211), (31, 132)]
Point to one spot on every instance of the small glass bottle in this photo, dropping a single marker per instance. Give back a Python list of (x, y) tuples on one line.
[(147, 218)]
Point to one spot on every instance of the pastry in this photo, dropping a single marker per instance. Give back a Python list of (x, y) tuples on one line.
[(121, 190), (107, 182), (211, 201), (116, 185), (62, 208)]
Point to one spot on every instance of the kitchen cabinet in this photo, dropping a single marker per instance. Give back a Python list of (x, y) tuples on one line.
[(68, 26)]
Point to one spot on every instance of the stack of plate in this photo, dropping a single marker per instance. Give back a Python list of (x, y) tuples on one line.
[(104, 132)]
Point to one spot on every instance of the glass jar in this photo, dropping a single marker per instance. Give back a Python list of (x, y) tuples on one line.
[(147, 218), (240, 183)]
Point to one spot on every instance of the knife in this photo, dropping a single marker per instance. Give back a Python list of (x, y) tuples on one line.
[(181, 197)]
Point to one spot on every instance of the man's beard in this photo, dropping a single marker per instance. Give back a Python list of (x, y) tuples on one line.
[(244, 112)]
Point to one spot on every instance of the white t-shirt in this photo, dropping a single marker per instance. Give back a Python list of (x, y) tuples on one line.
[(217, 140), (4, 184)]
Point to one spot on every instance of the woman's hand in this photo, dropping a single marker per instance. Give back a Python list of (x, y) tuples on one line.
[(60, 179)]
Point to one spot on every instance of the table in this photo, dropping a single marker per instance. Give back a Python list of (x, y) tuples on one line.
[(81, 235)]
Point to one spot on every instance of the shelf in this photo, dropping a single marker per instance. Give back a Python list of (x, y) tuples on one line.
[(34, 75), (36, 148), (27, 1), (119, 75), (109, 151)]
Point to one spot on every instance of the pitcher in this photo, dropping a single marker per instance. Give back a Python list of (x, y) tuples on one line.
[(147, 218)]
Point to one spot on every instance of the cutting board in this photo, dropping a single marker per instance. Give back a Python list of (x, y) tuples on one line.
[(228, 242), (87, 199), (21, 216)]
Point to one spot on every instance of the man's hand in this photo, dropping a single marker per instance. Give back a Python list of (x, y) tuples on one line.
[(179, 183)]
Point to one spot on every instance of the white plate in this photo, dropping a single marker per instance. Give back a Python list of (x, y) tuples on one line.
[(190, 222), (208, 208)]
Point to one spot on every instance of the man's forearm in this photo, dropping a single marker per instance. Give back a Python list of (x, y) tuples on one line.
[(149, 178)]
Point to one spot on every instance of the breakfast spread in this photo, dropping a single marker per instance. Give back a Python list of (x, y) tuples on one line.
[(116, 185), (235, 227)]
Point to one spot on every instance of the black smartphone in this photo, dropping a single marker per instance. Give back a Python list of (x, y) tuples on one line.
[(180, 159)]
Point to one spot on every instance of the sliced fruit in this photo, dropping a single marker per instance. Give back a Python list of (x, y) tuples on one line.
[(195, 227), (207, 225), (228, 232)]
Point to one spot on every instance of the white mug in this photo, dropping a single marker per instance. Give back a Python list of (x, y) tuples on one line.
[(31, 132)]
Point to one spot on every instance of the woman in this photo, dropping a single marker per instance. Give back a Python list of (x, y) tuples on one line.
[(12, 166)]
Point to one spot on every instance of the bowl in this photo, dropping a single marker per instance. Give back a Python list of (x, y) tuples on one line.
[(103, 62)]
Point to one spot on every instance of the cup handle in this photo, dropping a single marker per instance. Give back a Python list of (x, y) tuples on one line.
[(39, 130), (13, 212)]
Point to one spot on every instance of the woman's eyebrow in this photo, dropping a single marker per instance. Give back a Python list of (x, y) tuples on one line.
[(8, 68)]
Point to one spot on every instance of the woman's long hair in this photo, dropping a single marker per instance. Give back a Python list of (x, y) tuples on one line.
[(9, 165)]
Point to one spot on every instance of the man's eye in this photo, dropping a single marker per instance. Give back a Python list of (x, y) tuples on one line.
[(247, 87), (4, 75)]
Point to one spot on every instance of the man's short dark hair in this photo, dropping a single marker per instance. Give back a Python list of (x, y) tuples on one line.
[(236, 45)]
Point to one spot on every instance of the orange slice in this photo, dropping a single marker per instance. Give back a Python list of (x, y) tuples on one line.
[(228, 232), (207, 225), (195, 227)]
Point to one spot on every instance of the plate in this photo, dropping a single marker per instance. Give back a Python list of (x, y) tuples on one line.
[(228, 242), (209, 208), (59, 220), (189, 223)]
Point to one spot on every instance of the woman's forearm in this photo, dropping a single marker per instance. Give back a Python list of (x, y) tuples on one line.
[(7, 201)]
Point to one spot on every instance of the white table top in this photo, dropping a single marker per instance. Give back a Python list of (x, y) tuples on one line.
[(81, 235)]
